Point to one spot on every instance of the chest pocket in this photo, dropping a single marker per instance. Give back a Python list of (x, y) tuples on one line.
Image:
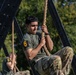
[(34, 40)]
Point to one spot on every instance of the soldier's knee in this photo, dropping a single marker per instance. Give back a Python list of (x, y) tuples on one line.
[(69, 51), (58, 60), (27, 72), (57, 63)]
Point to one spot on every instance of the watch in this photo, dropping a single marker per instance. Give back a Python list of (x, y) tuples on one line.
[(46, 33)]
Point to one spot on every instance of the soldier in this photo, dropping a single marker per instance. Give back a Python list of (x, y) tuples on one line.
[(56, 64), (9, 66)]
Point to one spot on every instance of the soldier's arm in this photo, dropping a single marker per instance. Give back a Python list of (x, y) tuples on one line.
[(31, 53), (11, 63), (49, 42)]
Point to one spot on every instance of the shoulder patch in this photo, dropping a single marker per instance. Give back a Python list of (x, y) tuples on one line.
[(24, 43)]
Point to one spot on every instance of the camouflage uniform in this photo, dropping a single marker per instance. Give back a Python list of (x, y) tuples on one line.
[(27, 72), (56, 64)]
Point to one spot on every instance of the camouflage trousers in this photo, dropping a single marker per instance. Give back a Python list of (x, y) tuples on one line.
[(27, 72), (56, 64)]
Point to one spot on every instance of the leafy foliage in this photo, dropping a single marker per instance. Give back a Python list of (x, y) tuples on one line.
[(68, 18)]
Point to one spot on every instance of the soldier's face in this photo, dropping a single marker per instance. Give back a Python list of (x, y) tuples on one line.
[(32, 27)]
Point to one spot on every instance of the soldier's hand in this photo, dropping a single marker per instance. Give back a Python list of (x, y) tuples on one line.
[(14, 56), (44, 29), (42, 41)]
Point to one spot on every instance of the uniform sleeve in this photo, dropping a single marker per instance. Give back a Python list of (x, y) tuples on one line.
[(27, 42)]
